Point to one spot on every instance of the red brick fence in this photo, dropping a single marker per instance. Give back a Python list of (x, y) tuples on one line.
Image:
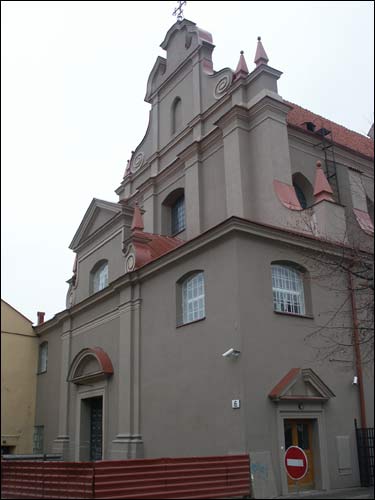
[(195, 477)]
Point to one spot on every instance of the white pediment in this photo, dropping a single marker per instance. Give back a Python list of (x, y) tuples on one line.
[(98, 214)]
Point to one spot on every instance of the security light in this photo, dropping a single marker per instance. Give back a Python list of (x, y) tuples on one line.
[(231, 352)]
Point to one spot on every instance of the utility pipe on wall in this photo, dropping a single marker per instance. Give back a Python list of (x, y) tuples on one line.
[(357, 351)]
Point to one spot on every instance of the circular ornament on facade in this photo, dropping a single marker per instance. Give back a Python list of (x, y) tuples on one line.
[(130, 263), (138, 162), (222, 86)]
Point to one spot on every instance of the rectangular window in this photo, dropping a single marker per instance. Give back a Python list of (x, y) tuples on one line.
[(43, 357), (38, 441)]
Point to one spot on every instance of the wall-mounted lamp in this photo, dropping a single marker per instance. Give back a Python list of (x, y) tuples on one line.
[(355, 380)]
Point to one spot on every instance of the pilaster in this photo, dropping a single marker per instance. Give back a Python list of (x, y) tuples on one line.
[(150, 210), (128, 441), (62, 441), (192, 196), (269, 158), (330, 221), (234, 126)]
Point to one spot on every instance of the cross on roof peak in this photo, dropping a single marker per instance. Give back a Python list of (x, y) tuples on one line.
[(178, 11)]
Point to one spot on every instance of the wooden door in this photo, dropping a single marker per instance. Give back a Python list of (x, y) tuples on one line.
[(299, 432)]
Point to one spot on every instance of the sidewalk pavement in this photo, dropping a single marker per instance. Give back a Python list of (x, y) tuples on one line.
[(342, 494)]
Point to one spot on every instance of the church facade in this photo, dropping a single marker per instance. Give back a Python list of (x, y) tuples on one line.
[(209, 305)]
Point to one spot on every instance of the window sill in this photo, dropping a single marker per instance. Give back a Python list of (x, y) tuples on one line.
[(178, 232), (306, 316), (190, 322)]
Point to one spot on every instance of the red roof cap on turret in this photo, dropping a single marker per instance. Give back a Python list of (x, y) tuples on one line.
[(260, 55), (241, 70), (322, 189)]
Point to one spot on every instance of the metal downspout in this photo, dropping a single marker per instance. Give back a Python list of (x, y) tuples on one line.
[(357, 352)]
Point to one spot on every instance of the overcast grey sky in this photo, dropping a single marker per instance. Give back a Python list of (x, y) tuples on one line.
[(74, 78)]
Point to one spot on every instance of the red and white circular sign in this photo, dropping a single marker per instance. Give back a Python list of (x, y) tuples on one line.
[(295, 462)]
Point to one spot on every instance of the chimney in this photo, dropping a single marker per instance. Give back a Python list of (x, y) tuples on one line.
[(40, 317)]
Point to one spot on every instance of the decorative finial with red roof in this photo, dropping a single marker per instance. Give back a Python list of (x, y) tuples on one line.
[(137, 224), (260, 55), (322, 189), (241, 70)]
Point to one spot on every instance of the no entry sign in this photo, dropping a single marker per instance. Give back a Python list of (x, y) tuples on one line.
[(295, 462)]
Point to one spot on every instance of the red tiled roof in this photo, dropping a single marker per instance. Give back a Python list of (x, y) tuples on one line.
[(284, 382), (340, 135), (159, 245), (103, 359)]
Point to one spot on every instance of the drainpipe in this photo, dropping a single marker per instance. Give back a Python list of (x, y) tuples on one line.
[(357, 351)]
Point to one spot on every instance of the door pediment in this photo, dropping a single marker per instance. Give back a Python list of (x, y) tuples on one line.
[(90, 365), (301, 384)]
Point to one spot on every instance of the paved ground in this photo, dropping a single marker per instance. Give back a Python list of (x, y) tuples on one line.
[(347, 493)]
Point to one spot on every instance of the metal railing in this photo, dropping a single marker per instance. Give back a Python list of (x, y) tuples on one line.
[(365, 448)]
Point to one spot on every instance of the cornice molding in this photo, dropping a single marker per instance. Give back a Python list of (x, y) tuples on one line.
[(224, 229)]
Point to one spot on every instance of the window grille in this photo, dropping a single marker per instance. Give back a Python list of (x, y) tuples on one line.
[(38, 439), (287, 287), (193, 300), (178, 215)]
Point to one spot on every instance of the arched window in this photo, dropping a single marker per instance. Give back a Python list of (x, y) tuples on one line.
[(176, 115), (192, 298), (178, 215), (173, 213), (43, 357), (303, 189), (300, 195), (99, 276), (287, 288)]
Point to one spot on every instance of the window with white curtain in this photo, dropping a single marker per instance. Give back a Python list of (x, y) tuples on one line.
[(100, 277), (287, 288), (193, 298)]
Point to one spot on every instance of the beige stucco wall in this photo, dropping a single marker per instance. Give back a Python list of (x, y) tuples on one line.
[(19, 354)]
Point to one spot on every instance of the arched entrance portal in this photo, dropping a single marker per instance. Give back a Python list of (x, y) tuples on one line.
[(89, 372)]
